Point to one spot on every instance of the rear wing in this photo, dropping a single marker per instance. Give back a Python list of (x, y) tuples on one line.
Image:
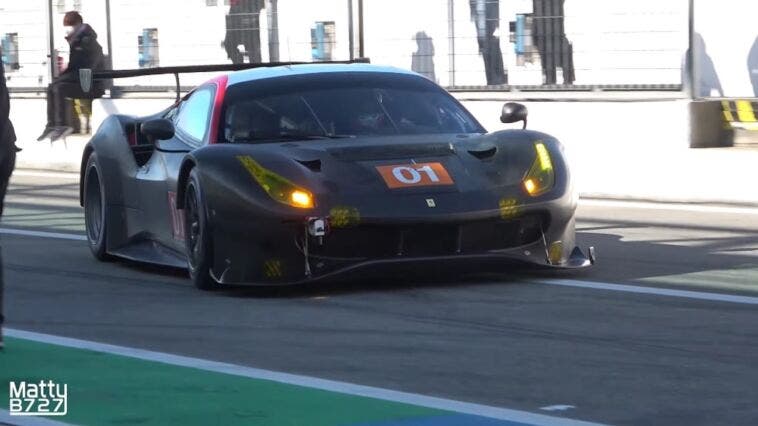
[(88, 76)]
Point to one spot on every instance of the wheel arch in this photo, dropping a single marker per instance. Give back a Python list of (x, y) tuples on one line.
[(188, 164), (88, 150)]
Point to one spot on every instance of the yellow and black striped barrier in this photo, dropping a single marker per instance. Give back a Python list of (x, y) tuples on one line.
[(740, 114)]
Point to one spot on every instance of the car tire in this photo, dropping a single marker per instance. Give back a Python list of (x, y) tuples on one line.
[(95, 217), (197, 231)]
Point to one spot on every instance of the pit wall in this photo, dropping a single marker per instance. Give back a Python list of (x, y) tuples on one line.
[(617, 149)]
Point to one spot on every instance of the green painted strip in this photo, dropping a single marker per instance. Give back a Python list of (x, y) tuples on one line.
[(42, 216), (740, 278), (109, 389)]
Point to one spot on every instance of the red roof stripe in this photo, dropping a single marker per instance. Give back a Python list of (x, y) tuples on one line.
[(218, 103)]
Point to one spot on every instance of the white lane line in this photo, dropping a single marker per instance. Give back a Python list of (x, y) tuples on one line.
[(6, 418), (687, 294), (42, 234), (305, 381), (716, 297), (645, 205), (35, 173), (559, 407)]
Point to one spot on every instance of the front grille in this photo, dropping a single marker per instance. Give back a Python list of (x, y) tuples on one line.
[(383, 241), (498, 235), (357, 242), (430, 240)]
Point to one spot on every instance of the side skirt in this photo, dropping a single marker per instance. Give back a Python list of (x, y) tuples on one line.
[(148, 251)]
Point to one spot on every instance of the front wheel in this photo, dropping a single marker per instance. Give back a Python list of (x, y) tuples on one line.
[(198, 239), (95, 217)]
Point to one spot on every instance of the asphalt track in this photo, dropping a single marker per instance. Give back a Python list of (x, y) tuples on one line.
[(513, 340)]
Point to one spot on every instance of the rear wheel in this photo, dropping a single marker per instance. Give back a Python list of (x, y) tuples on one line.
[(95, 217), (198, 239)]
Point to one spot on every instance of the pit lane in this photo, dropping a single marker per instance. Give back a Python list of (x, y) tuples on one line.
[(505, 340)]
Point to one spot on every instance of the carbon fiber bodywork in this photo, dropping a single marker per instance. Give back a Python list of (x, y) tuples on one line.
[(486, 214), (480, 220)]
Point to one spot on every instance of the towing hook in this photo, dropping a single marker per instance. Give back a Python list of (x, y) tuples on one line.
[(316, 226)]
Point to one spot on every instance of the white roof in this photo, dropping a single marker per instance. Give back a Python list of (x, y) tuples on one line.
[(281, 71)]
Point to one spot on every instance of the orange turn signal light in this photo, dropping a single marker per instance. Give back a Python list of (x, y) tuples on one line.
[(301, 199), (530, 186)]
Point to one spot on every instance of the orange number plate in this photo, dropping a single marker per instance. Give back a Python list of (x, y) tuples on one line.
[(420, 174)]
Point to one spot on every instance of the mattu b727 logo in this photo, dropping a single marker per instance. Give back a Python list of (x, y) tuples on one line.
[(43, 398)]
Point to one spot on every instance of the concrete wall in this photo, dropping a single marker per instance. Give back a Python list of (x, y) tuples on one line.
[(613, 146), (636, 150)]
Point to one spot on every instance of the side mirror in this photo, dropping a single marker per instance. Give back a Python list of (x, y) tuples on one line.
[(158, 129), (513, 113)]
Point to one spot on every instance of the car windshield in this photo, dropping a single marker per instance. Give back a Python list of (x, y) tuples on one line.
[(320, 108)]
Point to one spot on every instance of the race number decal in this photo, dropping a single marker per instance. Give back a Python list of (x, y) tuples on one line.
[(420, 174)]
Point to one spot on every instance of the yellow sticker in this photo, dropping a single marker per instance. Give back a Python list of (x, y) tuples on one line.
[(344, 216), (272, 268), (509, 208)]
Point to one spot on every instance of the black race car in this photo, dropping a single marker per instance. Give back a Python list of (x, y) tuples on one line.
[(288, 174)]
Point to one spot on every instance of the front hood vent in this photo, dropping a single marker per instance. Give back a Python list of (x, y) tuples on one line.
[(313, 165), (390, 152)]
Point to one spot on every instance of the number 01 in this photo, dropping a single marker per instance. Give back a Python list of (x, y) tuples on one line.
[(410, 176)]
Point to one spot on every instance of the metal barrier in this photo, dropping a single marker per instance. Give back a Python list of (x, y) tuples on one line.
[(461, 44), (25, 43), (550, 44)]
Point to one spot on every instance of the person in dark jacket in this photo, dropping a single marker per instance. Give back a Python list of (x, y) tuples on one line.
[(243, 26), (486, 17), (549, 36), (8, 151), (85, 52)]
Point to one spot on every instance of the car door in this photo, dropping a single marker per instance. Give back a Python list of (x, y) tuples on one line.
[(158, 177)]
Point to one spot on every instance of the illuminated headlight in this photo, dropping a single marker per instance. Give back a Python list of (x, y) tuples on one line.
[(278, 187), (541, 176), (300, 198)]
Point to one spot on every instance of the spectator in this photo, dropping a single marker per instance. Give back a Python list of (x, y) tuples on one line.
[(550, 37), (752, 66), (422, 60), (486, 17), (85, 52), (243, 27), (8, 151), (708, 83)]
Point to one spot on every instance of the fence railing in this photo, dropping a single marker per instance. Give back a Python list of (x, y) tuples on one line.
[(462, 44)]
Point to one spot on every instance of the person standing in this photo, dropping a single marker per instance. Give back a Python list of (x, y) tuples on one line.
[(486, 17), (422, 60), (85, 52), (550, 37), (752, 66), (8, 151), (243, 25)]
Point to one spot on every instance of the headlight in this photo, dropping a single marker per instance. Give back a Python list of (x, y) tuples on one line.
[(277, 187), (541, 176), (300, 198)]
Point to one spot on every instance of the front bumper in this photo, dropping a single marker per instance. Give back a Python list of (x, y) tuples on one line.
[(281, 254)]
